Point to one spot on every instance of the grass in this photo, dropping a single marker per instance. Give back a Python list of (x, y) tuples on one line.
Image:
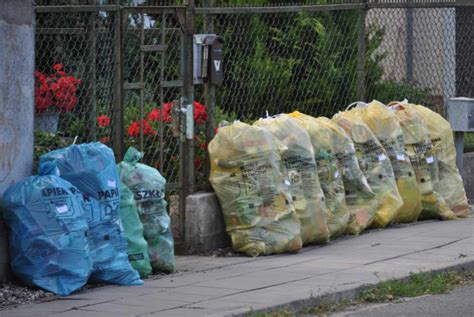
[(468, 142), (277, 313), (415, 285)]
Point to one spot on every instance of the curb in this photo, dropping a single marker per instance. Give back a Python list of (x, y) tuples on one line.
[(349, 294)]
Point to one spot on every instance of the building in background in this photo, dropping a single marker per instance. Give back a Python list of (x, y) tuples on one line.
[(429, 48)]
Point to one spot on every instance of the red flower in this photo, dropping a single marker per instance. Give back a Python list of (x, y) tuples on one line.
[(66, 103), (148, 129), (104, 139), (167, 112), (200, 113), (58, 67), (43, 99), (103, 121), (55, 90), (154, 115), (203, 146), (197, 163), (134, 129), (216, 130)]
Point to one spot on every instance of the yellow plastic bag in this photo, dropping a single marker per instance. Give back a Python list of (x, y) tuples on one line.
[(245, 174), (330, 177), (299, 167), (384, 124), (450, 184), (360, 199), (375, 165), (419, 149)]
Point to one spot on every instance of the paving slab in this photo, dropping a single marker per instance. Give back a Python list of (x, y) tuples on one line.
[(213, 286), (209, 292), (80, 313), (128, 309)]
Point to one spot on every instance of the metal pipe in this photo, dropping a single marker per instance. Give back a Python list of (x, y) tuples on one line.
[(162, 77), (209, 94), (361, 85), (91, 70), (142, 77), (409, 45), (118, 105)]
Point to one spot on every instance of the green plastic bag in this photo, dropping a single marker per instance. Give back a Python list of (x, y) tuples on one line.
[(137, 247), (148, 187), (299, 166)]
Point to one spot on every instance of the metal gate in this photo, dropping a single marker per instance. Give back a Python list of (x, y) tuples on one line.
[(154, 103), (131, 62)]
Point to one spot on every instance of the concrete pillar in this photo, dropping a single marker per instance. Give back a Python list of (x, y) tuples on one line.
[(205, 228), (16, 100)]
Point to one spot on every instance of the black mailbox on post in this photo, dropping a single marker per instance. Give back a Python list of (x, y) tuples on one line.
[(215, 66), (208, 63)]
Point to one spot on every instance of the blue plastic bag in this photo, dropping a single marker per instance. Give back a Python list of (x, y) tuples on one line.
[(48, 244), (91, 168)]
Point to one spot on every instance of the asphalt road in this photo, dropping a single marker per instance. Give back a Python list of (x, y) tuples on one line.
[(459, 302)]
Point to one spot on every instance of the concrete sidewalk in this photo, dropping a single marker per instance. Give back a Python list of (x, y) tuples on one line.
[(208, 286)]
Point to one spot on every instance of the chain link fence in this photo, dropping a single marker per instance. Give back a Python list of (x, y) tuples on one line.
[(112, 71), (75, 67), (311, 61), (319, 59), (280, 62), (417, 52), (152, 75)]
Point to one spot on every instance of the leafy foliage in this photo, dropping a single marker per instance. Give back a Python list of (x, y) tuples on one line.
[(46, 142)]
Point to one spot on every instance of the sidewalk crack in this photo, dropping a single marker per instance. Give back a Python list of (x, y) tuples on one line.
[(418, 251)]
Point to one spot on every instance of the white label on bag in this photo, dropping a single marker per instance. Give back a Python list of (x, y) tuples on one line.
[(336, 174), (62, 209), (112, 183), (382, 157), (429, 159), (400, 157)]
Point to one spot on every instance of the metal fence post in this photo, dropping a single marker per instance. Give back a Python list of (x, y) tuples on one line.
[(409, 44), (118, 106), (361, 84), (142, 77), (91, 69), (187, 146), (188, 94), (209, 93)]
